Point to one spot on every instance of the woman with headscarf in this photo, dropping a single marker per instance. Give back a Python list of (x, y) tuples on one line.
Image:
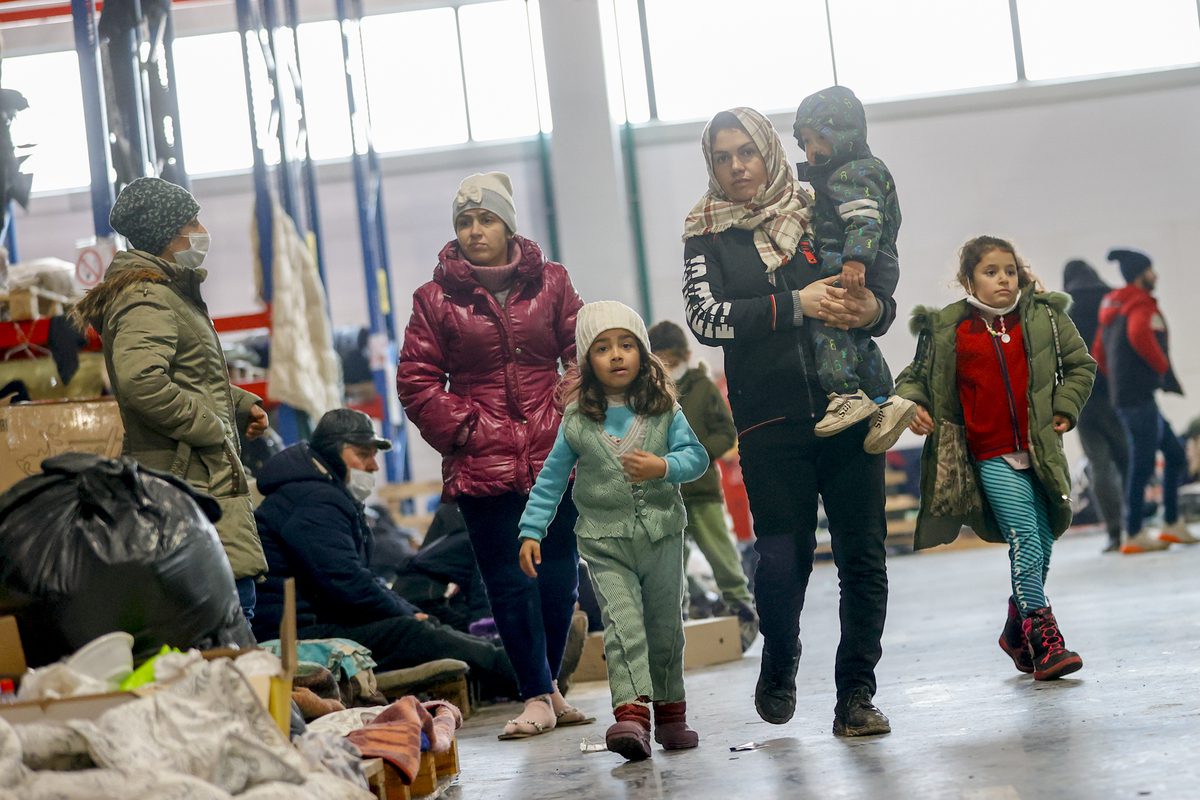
[(477, 375), (750, 280)]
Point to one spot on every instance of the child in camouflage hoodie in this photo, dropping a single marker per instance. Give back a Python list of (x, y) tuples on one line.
[(857, 217)]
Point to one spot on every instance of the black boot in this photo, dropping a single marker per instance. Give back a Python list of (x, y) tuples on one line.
[(1012, 639), (1114, 542), (775, 694), (854, 715), (1051, 658)]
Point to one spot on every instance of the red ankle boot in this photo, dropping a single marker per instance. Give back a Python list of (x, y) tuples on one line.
[(1051, 658), (630, 735), (1013, 641), (671, 729)]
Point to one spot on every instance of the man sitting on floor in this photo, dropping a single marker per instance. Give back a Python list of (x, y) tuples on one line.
[(313, 529)]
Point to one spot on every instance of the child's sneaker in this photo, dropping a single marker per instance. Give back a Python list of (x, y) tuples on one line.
[(843, 411), (1013, 641), (890, 421), (1144, 542), (1177, 533)]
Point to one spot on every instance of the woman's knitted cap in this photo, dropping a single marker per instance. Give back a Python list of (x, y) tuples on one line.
[(489, 190), (596, 318), (150, 211)]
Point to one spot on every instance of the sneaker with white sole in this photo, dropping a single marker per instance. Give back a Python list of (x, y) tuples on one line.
[(1177, 533), (1144, 542), (890, 421), (843, 411)]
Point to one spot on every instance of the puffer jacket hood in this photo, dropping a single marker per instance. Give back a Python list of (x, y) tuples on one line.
[(477, 377), (837, 115)]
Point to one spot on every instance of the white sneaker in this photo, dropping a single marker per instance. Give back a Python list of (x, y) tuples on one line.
[(890, 421), (1144, 542), (1177, 533), (843, 411)]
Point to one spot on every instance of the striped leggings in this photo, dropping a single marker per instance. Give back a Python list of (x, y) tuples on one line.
[(1022, 512)]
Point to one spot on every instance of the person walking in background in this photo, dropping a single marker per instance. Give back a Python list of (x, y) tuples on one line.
[(750, 287), (708, 414), (998, 378), (1100, 430), (631, 447), (167, 368), (1132, 349), (477, 375)]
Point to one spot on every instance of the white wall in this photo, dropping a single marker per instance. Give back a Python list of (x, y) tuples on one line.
[(1067, 171)]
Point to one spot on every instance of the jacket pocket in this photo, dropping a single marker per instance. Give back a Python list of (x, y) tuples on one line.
[(955, 490)]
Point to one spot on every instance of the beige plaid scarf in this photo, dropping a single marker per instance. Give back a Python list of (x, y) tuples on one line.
[(779, 213)]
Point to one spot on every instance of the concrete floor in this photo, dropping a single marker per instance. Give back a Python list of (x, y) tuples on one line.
[(965, 723)]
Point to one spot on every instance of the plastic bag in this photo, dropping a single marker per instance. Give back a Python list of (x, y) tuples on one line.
[(94, 545)]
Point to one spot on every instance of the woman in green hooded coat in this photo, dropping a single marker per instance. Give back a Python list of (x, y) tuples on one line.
[(999, 377)]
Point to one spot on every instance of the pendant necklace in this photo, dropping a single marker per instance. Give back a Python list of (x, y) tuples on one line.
[(1002, 333)]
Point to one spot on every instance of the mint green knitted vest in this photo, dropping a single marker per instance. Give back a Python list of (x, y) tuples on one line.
[(609, 505)]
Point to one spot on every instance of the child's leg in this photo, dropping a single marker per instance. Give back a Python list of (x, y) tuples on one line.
[(1012, 494), (706, 525), (662, 586), (1041, 507), (894, 412), (613, 566), (874, 375), (836, 356)]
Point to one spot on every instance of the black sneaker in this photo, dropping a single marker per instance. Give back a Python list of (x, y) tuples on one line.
[(854, 715), (775, 693)]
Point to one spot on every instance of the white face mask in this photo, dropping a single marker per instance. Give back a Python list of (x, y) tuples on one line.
[(360, 483), (678, 371), (193, 257)]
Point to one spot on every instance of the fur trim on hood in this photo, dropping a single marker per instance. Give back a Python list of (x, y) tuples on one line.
[(94, 305), (926, 317)]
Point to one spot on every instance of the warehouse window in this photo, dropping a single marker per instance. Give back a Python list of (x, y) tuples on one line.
[(54, 120), (624, 64), (498, 57), (707, 55), (1068, 38), (212, 103), (424, 112), (324, 89), (888, 49)]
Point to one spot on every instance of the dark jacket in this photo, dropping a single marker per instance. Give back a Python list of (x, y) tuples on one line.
[(1132, 348), (951, 496), (501, 364), (1087, 291), (708, 414), (857, 214), (313, 530), (168, 373), (732, 304)]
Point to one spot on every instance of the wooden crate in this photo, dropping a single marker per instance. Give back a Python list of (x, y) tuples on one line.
[(397, 495), (33, 303)]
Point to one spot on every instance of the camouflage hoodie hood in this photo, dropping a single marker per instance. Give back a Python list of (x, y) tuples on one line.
[(837, 115)]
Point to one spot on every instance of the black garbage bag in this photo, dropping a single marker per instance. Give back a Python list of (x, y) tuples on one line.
[(94, 545)]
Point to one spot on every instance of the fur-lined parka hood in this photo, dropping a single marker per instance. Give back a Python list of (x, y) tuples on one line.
[(129, 268)]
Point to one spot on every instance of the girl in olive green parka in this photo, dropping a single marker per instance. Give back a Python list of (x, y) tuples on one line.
[(998, 378)]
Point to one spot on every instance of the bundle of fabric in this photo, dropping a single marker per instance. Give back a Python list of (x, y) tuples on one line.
[(204, 736), (401, 731)]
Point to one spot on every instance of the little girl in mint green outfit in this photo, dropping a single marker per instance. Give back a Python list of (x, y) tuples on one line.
[(630, 446)]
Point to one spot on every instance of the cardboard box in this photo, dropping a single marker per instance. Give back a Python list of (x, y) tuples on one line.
[(706, 642), (274, 691), (32, 432)]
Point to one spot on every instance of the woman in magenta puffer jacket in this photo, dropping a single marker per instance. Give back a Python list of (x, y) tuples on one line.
[(477, 375)]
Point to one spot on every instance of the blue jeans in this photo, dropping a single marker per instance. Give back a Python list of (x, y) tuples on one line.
[(1147, 433), (533, 615), (247, 596)]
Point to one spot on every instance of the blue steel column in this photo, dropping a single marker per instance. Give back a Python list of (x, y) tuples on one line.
[(248, 25), (83, 13), (173, 100), (368, 193), (287, 183), (134, 114)]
